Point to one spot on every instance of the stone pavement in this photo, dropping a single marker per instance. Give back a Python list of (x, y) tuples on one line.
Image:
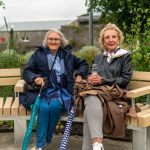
[(75, 143)]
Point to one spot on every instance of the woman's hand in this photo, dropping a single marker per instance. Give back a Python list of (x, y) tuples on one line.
[(95, 79), (78, 78), (39, 81)]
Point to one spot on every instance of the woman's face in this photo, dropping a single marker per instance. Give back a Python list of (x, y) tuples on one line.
[(111, 40), (53, 41)]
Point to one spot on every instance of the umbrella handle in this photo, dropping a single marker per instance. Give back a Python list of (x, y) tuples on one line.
[(41, 88)]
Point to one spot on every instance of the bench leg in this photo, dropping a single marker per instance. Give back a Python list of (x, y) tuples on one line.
[(141, 139), (20, 126)]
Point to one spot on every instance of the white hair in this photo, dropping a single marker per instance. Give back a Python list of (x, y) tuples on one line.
[(64, 41)]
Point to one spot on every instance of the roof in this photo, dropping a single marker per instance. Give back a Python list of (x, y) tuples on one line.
[(35, 25), (85, 17)]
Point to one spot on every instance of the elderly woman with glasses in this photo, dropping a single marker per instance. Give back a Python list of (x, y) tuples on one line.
[(55, 62)]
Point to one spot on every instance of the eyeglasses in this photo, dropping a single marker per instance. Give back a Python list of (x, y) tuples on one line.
[(53, 39)]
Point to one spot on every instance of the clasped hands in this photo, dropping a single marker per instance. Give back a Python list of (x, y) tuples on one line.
[(93, 79)]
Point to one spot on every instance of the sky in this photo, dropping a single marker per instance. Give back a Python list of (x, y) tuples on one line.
[(41, 10)]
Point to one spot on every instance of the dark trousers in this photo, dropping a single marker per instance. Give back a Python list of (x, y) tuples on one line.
[(48, 116)]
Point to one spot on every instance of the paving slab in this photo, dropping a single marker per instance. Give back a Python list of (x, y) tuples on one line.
[(75, 143)]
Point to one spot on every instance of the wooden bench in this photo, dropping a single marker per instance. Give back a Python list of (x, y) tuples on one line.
[(11, 110)]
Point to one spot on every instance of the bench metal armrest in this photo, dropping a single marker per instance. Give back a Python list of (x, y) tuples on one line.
[(19, 87), (139, 92)]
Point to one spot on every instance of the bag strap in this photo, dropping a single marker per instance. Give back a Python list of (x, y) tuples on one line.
[(52, 68), (53, 63)]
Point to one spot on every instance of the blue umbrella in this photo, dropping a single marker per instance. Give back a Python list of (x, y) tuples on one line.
[(66, 134), (35, 107)]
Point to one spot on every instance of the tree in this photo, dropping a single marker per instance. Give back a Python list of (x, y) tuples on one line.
[(2, 4), (121, 12), (133, 17)]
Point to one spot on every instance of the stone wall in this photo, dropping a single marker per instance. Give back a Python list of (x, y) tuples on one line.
[(35, 38), (76, 34)]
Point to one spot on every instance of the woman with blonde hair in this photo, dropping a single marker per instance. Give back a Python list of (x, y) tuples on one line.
[(113, 68)]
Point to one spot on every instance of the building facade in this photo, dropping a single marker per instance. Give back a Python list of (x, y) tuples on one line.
[(28, 35)]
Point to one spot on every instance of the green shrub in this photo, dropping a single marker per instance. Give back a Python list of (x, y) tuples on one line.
[(138, 41), (28, 55), (72, 42), (6, 91), (9, 59), (88, 53)]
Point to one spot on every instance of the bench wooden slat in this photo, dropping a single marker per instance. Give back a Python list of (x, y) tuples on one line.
[(29, 113), (144, 120), (143, 112), (15, 108), (1, 105), (7, 106), (138, 92), (10, 72), (145, 107), (139, 104), (19, 87), (9, 81), (138, 84), (22, 111), (133, 121), (141, 119), (139, 75)]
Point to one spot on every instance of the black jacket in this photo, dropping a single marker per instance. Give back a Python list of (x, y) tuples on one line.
[(38, 67), (117, 71)]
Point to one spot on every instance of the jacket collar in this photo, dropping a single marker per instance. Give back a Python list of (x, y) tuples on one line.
[(116, 53)]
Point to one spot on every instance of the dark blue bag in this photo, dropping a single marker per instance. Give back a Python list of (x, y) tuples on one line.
[(27, 98)]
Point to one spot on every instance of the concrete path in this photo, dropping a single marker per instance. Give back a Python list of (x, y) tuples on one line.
[(75, 143)]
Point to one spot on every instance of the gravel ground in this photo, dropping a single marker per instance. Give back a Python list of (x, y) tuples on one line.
[(75, 143)]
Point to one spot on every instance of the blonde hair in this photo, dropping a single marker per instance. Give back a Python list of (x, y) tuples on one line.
[(64, 41), (110, 26)]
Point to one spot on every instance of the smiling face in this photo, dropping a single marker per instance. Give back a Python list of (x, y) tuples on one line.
[(53, 41), (111, 40)]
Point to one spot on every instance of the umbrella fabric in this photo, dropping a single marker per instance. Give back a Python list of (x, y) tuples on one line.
[(31, 123), (66, 134)]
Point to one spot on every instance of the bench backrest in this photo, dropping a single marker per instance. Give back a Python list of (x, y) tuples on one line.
[(9, 76), (139, 79)]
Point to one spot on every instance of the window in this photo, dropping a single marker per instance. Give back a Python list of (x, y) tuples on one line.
[(25, 39)]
